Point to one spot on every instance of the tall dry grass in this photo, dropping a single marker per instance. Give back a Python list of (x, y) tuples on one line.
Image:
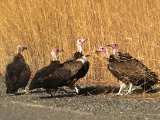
[(43, 24)]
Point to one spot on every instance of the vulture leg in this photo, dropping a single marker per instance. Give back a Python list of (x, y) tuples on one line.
[(130, 89), (62, 89), (12, 94), (26, 90), (49, 91), (122, 85), (76, 88), (73, 85)]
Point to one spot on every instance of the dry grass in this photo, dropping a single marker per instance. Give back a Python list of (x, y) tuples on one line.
[(43, 24)]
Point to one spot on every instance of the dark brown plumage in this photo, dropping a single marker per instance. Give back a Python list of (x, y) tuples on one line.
[(17, 73), (128, 70), (58, 75), (43, 73), (79, 67), (132, 71), (51, 77)]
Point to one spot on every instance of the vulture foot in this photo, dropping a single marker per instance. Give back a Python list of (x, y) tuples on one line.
[(119, 94)]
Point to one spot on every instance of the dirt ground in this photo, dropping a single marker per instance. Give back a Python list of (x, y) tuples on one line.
[(93, 103)]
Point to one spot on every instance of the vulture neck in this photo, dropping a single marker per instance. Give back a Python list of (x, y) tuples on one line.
[(116, 52), (79, 48), (19, 51), (54, 56), (106, 55)]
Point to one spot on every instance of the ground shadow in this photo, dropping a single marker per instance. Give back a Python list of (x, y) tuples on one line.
[(139, 91), (37, 91), (93, 90), (98, 89), (88, 90), (58, 96), (16, 94)]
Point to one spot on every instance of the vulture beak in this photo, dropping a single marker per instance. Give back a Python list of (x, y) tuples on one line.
[(24, 47), (97, 51), (61, 50), (84, 40), (87, 56)]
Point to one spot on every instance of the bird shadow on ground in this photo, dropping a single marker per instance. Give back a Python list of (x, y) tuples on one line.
[(18, 94), (30, 92), (37, 91), (95, 90), (152, 91), (86, 91), (98, 89), (58, 96)]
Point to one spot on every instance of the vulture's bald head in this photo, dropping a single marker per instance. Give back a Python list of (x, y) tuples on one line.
[(21, 48)]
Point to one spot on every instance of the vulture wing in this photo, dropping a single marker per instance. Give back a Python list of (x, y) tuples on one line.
[(24, 77), (57, 78), (130, 71), (40, 72), (17, 75), (43, 72), (74, 66), (10, 79)]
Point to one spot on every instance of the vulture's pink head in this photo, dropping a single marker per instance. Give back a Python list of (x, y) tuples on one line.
[(113, 46), (57, 50), (101, 49), (80, 43), (104, 51), (21, 48)]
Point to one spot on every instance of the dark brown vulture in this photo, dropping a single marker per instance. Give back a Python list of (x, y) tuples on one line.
[(52, 76), (58, 75), (79, 66), (17, 72), (128, 70)]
